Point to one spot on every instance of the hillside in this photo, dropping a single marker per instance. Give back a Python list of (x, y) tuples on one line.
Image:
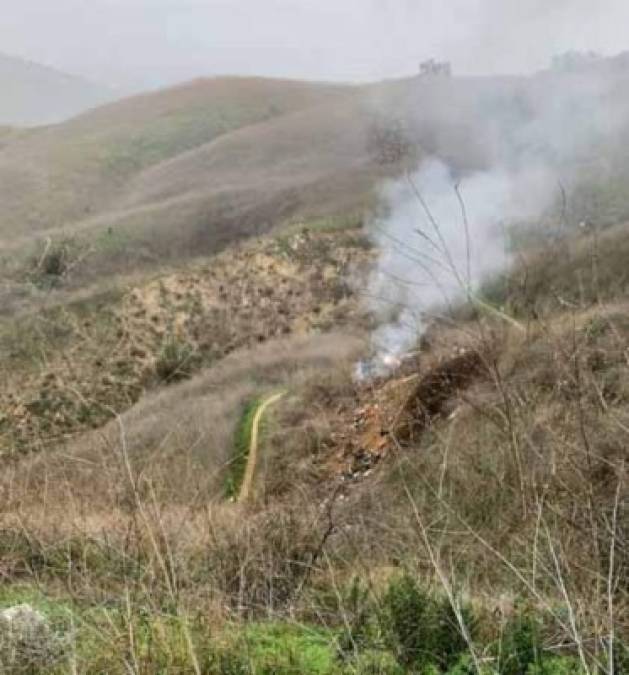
[(34, 95), (175, 261), (173, 174), (186, 171), (488, 469)]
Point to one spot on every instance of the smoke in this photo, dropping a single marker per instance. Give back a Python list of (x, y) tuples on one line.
[(495, 154), (438, 241)]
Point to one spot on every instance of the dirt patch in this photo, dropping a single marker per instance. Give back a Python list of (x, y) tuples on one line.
[(393, 414)]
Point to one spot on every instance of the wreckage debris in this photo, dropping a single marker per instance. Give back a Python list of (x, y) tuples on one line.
[(400, 410), (434, 391)]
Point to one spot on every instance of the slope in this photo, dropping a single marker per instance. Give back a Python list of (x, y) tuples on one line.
[(180, 172), (492, 466), (186, 171), (61, 175), (34, 95)]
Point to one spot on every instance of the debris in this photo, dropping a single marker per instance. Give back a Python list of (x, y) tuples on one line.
[(394, 413)]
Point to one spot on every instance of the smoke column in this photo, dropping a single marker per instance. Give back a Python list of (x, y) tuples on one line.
[(436, 247)]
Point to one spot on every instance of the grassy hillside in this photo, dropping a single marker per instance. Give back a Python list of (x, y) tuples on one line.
[(77, 170), (202, 249), (35, 95), (74, 366), (184, 172)]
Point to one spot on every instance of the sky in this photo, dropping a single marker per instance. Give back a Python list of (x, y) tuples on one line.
[(146, 43)]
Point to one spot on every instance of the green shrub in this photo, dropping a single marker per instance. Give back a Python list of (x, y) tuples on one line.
[(559, 665), (360, 631), (375, 662), (520, 645), (466, 666), (421, 627), (621, 657)]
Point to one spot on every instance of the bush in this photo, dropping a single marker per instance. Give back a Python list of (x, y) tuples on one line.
[(48, 269), (177, 361), (360, 631), (557, 666), (374, 662), (520, 646), (421, 628)]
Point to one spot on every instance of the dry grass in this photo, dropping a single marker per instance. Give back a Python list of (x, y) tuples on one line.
[(522, 490), (559, 273), (89, 159), (179, 439), (73, 366), (136, 510), (505, 486), (517, 494)]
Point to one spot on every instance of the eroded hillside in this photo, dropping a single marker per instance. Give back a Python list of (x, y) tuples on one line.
[(75, 366)]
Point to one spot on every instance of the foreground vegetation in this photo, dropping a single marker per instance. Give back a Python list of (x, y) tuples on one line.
[(403, 627)]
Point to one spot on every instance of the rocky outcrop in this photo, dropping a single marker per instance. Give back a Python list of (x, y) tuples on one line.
[(27, 641)]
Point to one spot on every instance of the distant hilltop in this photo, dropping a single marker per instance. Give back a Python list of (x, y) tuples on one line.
[(34, 95)]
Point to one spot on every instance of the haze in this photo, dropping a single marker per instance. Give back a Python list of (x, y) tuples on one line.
[(145, 43)]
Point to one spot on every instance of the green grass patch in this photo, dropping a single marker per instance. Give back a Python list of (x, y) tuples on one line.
[(287, 648)]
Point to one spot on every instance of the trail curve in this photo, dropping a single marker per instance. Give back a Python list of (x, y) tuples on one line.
[(252, 459)]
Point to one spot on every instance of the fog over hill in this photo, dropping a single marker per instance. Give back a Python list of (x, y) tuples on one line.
[(33, 94), (188, 170), (154, 43), (314, 342)]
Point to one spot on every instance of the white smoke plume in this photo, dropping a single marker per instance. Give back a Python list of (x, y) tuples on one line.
[(497, 151), (438, 240)]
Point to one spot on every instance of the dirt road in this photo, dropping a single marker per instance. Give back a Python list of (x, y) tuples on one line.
[(252, 459)]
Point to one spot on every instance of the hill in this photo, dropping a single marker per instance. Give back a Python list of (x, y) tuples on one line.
[(485, 476), (185, 171), (174, 261), (35, 95)]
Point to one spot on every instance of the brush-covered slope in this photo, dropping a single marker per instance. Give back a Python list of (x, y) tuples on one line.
[(467, 512), (34, 95)]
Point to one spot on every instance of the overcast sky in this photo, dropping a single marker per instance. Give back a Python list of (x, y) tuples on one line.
[(154, 42)]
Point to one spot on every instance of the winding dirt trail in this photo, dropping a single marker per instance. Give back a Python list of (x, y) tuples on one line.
[(252, 459)]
